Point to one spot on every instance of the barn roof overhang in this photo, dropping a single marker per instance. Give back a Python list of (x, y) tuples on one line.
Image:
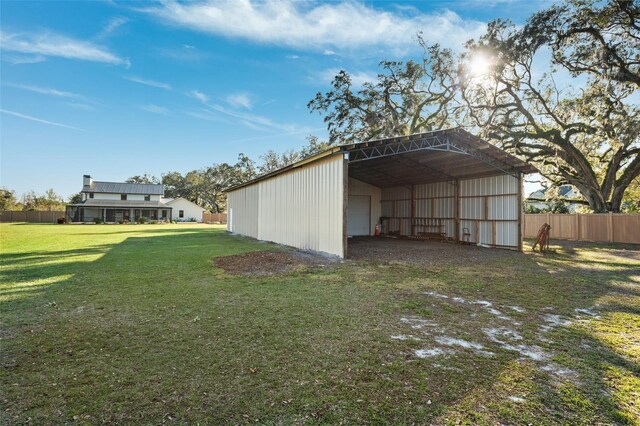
[(439, 156)]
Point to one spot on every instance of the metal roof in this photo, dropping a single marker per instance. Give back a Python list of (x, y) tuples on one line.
[(439, 156), (92, 202), (124, 188)]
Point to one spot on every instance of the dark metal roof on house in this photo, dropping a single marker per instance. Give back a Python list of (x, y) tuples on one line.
[(124, 188), (122, 204), (443, 155)]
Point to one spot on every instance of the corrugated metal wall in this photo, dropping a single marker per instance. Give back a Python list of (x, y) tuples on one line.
[(488, 208), (357, 187), (301, 208), (243, 206), (396, 205), (431, 201)]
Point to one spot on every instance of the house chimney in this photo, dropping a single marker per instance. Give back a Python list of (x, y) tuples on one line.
[(87, 180)]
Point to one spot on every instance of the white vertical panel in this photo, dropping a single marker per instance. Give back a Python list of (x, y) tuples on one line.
[(499, 194), (503, 184), (503, 207), (439, 189), (396, 193), (301, 208), (243, 204), (357, 187), (472, 208)]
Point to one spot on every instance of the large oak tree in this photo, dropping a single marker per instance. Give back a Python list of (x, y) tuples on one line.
[(578, 121)]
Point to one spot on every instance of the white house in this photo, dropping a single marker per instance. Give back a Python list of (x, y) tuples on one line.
[(184, 210), (118, 202), (566, 193)]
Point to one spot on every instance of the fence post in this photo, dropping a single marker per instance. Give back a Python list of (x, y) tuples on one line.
[(578, 231), (610, 227)]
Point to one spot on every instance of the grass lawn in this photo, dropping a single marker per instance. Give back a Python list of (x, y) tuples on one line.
[(134, 324)]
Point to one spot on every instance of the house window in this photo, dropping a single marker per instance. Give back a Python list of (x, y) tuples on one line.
[(147, 197), (123, 196), (91, 195), (181, 213)]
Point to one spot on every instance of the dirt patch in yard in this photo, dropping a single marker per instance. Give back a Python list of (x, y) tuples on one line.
[(264, 263)]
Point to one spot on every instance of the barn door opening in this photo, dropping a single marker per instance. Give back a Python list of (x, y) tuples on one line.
[(359, 215)]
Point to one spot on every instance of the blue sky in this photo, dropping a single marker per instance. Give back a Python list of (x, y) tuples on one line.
[(115, 89)]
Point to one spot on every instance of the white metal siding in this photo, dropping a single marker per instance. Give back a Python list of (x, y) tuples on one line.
[(432, 200), (243, 205), (357, 187), (483, 202), (359, 215), (301, 208), (489, 200)]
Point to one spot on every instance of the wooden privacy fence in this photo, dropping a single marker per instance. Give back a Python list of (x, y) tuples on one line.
[(214, 217), (31, 216), (610, 227)]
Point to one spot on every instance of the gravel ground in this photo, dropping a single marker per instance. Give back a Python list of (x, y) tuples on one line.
[(384, 249)]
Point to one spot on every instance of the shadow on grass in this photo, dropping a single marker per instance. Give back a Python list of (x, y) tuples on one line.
[(150, 330)]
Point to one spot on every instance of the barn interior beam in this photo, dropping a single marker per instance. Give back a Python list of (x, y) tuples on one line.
[(426, 143)]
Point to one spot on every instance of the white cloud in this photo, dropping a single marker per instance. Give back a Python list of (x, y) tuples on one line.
[(150, 83), (155, 109), (112, 25), (185, 52), (256, 121), (20, 59), (240, 100), (316, 26), (38, 120), (48, 91), (328, 52), (82, 106), (218, 113), (51, 44), (293, 57), (207, 115), (195, 94)]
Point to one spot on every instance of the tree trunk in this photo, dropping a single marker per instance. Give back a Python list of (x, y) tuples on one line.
[(616, 198), (597, 204)]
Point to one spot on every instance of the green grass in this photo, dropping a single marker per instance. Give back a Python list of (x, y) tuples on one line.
[(134, 324)]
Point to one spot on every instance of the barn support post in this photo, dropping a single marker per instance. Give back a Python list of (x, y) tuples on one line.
[(413, 210), (520, 207), (457, 209), (345, 205)]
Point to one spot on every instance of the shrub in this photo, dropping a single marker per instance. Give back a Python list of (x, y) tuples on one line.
[(62, 220), (120, 222), (153, 222), (142, 219), (98, 220)]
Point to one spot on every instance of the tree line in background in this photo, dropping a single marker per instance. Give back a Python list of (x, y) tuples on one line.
[(206, 186), (49, 201)]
